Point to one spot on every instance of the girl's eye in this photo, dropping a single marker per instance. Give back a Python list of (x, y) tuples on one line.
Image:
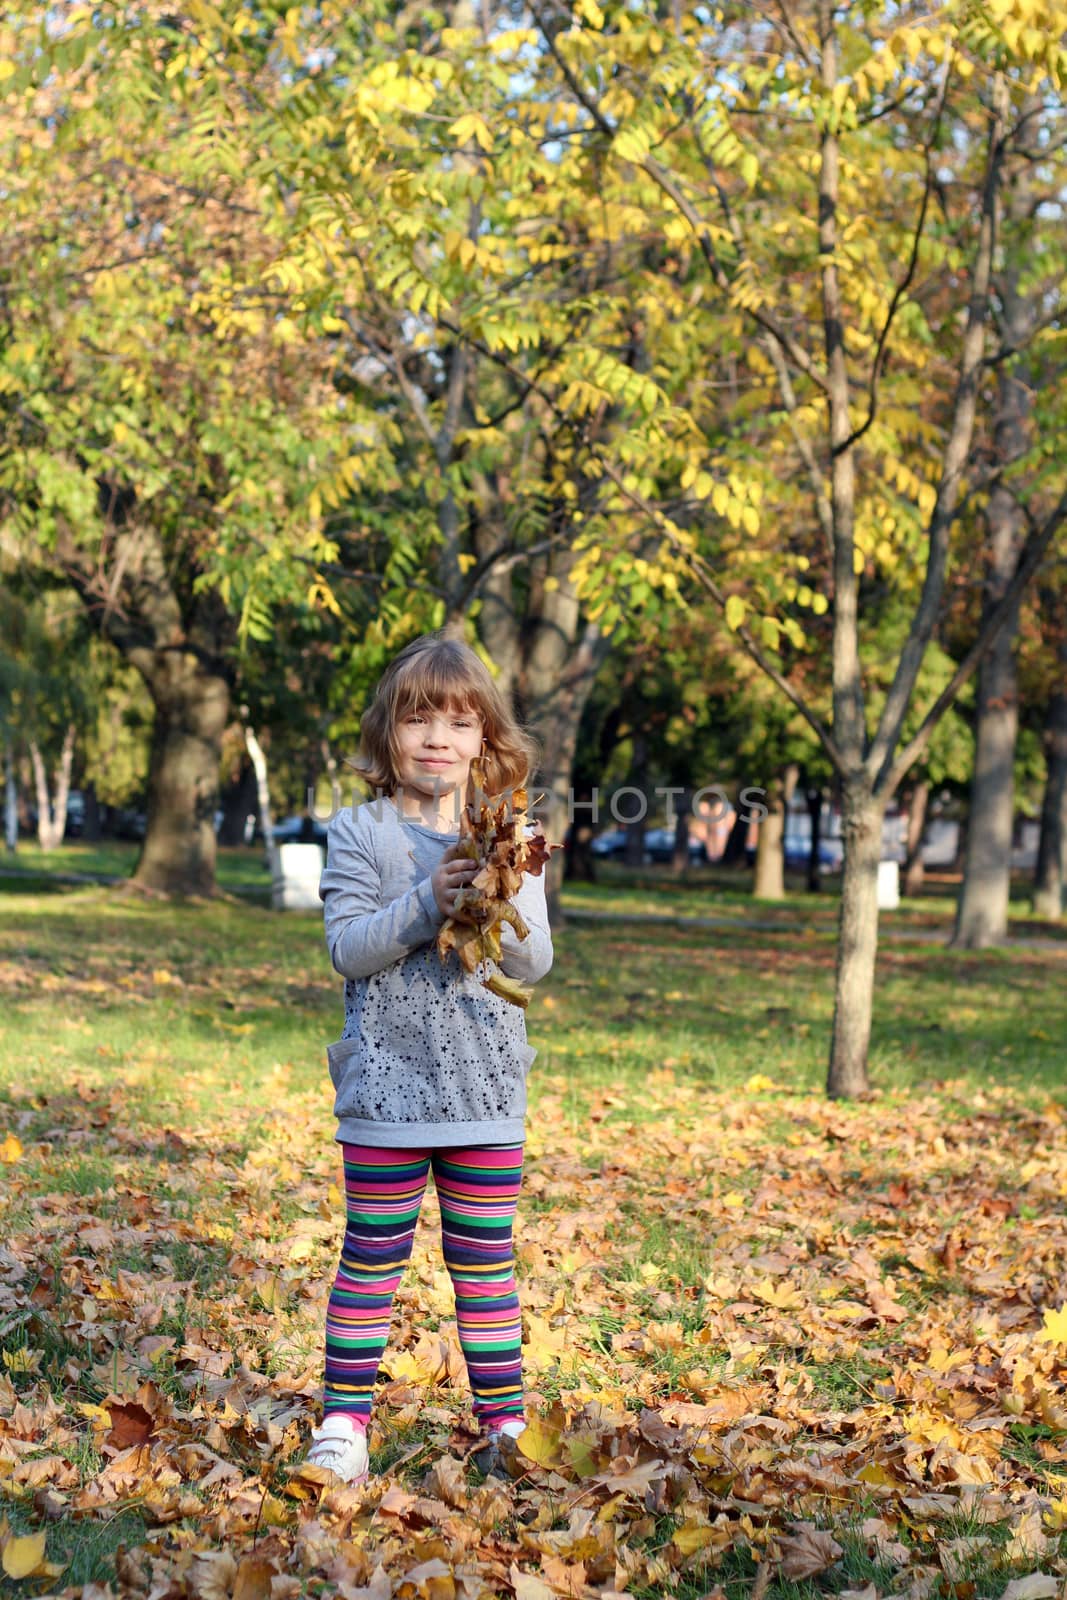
[(457, 722)]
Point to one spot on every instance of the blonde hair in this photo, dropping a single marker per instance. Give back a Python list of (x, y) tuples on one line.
[(443, 673)]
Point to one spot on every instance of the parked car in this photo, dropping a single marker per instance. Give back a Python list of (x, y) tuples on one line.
[(75, 814), (797, 852), (658, 846), (612, 843), (130, 824), (299, 830)]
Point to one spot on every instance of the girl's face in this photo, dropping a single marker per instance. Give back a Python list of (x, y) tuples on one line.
[(436, 749)]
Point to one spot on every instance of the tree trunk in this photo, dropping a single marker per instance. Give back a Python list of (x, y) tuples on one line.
[(814, 798), (982, 918), (192, 708), (266, 819), (1050, 876), (11, 801), (770, 852), (557, 674), (913, 851), (635, 830), (52, 813), (178, 640), (733, 854), (239, 802), (857, 944), (92, 829), (579, 862), (680, 853)]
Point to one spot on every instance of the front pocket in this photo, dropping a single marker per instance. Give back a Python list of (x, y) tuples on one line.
[(339, 1055)]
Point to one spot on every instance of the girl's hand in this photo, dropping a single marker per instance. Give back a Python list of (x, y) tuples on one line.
[(452, 873)]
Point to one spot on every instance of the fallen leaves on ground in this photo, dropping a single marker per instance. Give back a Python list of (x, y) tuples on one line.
[(764, 1337)]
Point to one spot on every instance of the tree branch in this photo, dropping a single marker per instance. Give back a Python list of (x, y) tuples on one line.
[(905, 283), (1037, 543), (957, 450), (703, 575), (658, 173)]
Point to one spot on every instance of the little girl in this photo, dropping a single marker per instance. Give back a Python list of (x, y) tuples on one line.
[(430, 1069)]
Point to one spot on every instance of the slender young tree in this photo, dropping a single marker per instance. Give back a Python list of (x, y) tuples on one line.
[(850, 268)]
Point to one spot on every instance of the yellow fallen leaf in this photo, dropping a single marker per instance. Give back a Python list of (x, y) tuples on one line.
[(23, 1554), (1056, 1516), (848, 1311), (759, 1083), (691, 1536), (540, 1442), (581, 1456), (779, 1295), (734, 1200), (100, 1416), (873, 1473), (269, 1292), (22, 1360), (1054, 1329), (11, 1149), (544, 1344)]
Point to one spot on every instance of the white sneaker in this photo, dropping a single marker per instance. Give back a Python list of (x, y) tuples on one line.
[(341, 1447)]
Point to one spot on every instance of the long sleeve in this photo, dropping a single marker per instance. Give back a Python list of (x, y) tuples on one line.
[(362, 935), (530, 958)]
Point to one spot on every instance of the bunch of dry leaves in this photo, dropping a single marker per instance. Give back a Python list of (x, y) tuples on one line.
[(493, 833)]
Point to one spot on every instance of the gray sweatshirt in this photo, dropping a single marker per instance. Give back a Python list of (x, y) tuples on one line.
[(428, 1057)]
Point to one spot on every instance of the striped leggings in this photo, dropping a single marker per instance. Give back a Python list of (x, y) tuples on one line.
[(477, 1190)]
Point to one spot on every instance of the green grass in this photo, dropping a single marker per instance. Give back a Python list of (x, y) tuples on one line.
[(87, 1547), (239, 866), (104, 985)]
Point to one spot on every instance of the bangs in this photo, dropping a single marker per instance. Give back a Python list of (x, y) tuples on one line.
[(440, 684)]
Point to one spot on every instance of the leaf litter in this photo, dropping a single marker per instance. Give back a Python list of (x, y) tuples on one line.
[(763, 1334)]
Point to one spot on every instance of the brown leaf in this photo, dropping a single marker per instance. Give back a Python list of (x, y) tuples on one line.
[(626, 1477), (569, 1580), (253, 1579), (213, 1574), (380, 1587), (807, 1551), (447, 1481), (433, 1580), (529, 1587), (130, 1424), (1029, 1540)]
